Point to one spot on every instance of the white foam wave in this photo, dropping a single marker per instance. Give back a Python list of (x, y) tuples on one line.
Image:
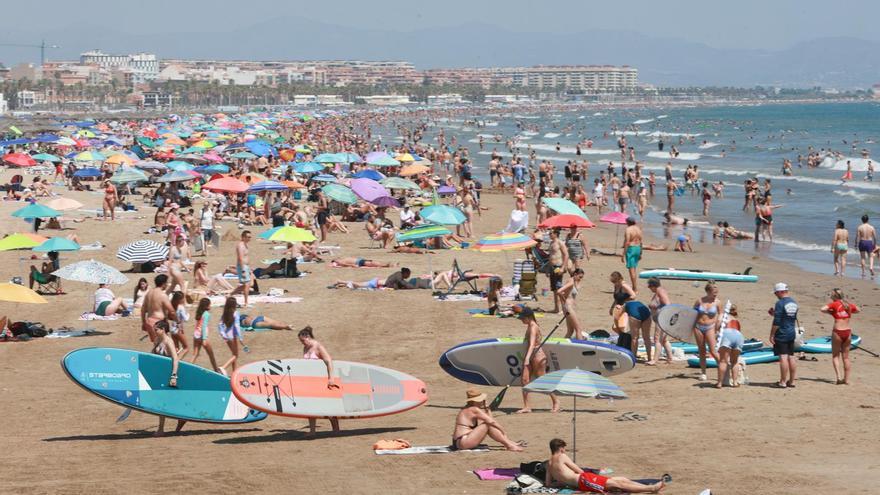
[(858, 164), (662, 117), (666, 156), (674, 134), (598, 114), (643, 121), (852, 194), (708, 145), (529, 133), (551, 135), (629, 133), (572, 149)]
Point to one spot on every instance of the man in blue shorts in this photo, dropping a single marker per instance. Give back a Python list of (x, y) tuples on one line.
[(632, 250)]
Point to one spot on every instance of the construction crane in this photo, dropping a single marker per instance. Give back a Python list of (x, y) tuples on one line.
[(42, 46)]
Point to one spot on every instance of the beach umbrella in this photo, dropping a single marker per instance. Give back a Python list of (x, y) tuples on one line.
[(36, 210), (576, 383), (288, 234), (57, 244), (267, 185), (368, 189), (505, 241), (142, 251), (381, 159), (179, 166), (348, 157), (399, 183), (205, 144), (307, 167), (64, 204), (324, 178), (120, 159), (302, 148), (338, 192), (292, 184), (442, 215), (422, 232), (46, 157), (564, 207), (90, 156), (126, 175), (91, 272), (213, 169), (413, 169), (145, 141), (260, 148), (386, 201), (19, 241), (243, 155), (445, 190), (150, 165), (226, 184), (19, 160), (88, 172), (404, 157), (328, 158), (176, 176), (617, 218), (369, 173), (566, 222), (19, 294)]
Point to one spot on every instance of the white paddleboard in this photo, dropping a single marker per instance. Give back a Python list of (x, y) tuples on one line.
[(678, 322)]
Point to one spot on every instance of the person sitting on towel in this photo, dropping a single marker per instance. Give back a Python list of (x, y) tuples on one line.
[(562, 472), (475, 422)]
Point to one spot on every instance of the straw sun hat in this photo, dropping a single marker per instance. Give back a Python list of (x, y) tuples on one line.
[(474, 395)]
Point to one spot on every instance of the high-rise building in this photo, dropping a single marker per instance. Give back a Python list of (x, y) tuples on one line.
[(583, 77), (143, 67)]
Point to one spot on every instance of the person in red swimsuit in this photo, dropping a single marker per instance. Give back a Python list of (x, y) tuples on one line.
[(841, 336), (562, 472)]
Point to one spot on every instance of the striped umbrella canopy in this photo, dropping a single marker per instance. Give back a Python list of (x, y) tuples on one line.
[(399, 183), (142, 251), (422, 232), (288, 234), (91, 272), (442, 215), (576, 383), (508, 241), (338, 192), (564, 206), (36, 210), (57, 244), (126, 175), (267, 185)]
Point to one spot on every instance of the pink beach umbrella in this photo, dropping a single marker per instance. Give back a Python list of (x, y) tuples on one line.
[(617, 218)]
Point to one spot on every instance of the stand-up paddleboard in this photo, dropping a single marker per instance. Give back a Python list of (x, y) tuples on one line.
[(298, 388), (822, 345), (497, 361), (764, 355), (678, 321), (696, 275), (138, 380), (688, 348)]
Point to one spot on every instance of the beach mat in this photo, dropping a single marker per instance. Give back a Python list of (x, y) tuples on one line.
[(470, 297), (217, 301), (64, 334), (89, 316), (429, 449)]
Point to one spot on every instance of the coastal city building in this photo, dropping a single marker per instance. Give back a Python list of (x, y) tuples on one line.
[(4, 105), (143, 67), (582, 77)]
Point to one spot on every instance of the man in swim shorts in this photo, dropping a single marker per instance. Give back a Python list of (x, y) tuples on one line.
[(783, 333), (242, 267), (866, 238), (562, 472), (632, 250)]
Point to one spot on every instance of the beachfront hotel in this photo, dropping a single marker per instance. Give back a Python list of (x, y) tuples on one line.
[(582, 77)]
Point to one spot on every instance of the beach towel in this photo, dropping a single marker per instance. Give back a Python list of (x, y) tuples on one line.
[(429, 449), (396, 444), (484, 313), (89, 316), (469, 297), (63, 334), (92, 247), (491, 474), (218, 301)]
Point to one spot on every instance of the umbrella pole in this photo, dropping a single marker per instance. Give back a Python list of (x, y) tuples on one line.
[(574, 426)]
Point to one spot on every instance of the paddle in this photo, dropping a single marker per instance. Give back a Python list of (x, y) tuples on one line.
[(869, 352), (496, 402)]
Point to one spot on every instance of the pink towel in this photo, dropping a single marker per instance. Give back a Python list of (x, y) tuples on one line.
[(496, 473)]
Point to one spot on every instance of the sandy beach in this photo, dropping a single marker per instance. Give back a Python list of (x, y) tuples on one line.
[(817, 438)]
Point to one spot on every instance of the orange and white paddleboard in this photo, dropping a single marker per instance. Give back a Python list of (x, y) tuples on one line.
[(298, 388)]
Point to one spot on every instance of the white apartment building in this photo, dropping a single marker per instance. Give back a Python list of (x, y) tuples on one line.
[(4, 105), (144, 67), (27, 98), (584, 77)]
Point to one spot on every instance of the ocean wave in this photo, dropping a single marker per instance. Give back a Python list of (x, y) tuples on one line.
[(707, 145), (803, 246), (858, 164), (662, 117), (674, 134), (551, 135), (643, 121), (629, 133), (852, 194), (666, 156), (598, 114), (572, 149), (529, 133)]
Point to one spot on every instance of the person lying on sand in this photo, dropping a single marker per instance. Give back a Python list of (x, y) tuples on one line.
[(357, 263), (474, 423), (409, 250), (562, 472)]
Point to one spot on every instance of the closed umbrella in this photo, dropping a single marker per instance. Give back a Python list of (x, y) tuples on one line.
[(442, 215), (368, 189), (576, 383), (57, 244), (142, 251), (19, 294), (563, 206), (36, 210), (399, 183), (338, 192), (506, 241), (91, 272)]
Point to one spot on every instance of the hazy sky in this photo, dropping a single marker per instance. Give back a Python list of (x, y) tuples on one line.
[(771, 24)]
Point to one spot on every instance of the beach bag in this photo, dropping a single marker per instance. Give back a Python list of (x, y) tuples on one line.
[(36, 330), (535, 469), (624, 340)]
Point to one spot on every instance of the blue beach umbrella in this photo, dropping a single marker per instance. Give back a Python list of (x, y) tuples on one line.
[(36, 210), (212, 169), (442, 215), (328, 158), (267, 185), (369, 173), (57, 244), (88, 172), (307, 167), (179, 166)]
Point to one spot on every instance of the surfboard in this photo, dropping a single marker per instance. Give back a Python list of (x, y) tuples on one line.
[(498, 361), (688, 348), (822, 345), (139, 381), (678, 320), (696, 275), (764, 355), (298, 388)]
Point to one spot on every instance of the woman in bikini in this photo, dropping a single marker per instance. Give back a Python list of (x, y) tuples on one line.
[(312, 349), (638, 315), (661, 340), (210, 285), (351, 262), (139, 291), (176, 255), (534, 363), (839, 246), (567, 293), (841, 336), (111, 197), (474, 423), (706, 327)]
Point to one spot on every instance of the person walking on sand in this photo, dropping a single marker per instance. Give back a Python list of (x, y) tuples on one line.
[(632, 250), (559, 261), (782, 334), (729, 350), (839, 247), (155, 313), (562, 472), (841, 336), (200, 333), (474, 423), (242, 266), (866, 240), (312, 349), (567, 294), (534, 363), (661, 339)]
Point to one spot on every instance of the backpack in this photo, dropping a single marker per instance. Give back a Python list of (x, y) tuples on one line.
[(624, 340), (535, 469)]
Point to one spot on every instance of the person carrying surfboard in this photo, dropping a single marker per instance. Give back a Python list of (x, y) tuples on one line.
[(312, 349), (534, 363)]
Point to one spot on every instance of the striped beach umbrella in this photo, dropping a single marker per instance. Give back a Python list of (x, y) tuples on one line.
[(142, 251), (267, 185), (422, 232), (508, 241)]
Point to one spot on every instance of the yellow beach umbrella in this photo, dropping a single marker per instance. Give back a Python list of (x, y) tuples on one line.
[(405, 157), (19, 294), (120, 159), (18, 241)]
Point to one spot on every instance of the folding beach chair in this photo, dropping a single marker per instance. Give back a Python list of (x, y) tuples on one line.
[(541, 260), (462, 278), (46, 284)]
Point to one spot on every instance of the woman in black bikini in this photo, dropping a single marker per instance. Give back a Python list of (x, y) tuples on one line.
[(474, 422)]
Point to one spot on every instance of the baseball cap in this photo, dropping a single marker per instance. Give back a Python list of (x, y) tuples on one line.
[(525, 312), (780, 287)]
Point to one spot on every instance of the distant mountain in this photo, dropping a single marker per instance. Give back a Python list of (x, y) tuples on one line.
[(829, 62)]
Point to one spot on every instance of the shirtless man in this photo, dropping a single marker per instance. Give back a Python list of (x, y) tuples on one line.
[(559, 260), (866, 240), (323, 214), (155, 312), (357, 263), (474, 423), (242, 267), (632, 250), (562, 472), (671, 186)]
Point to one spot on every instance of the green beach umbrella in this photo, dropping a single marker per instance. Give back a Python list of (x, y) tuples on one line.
[(338, 192), (126, 175), (57, 244), (422, 232), (244, 155), (564, 206), (46, 157), (399, 183), (18, 241), (36, 210)]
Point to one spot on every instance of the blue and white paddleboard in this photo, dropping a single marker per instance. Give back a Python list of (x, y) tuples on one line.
[(697, 275), (822, 345), (764, 355), (498, 361), (139, 380), (688, 348)]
